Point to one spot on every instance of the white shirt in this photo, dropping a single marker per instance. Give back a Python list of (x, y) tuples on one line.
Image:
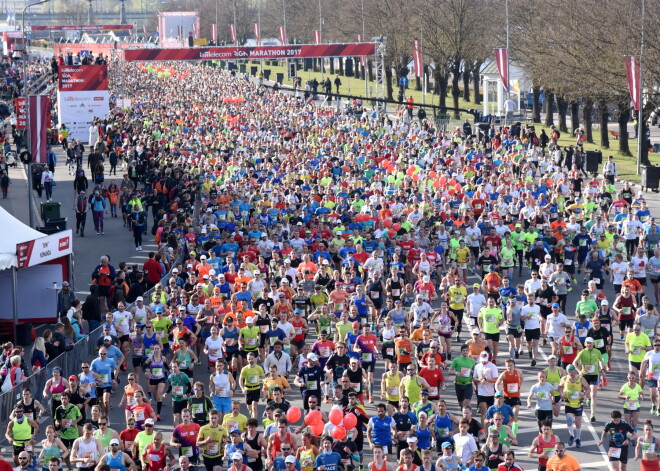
[(465, 446), (488, 371), (619, 270), (509, 105), (639, 266), (557, 323), (533, 313), (654, 363), (476, 302), (532, 286), (474, 234)]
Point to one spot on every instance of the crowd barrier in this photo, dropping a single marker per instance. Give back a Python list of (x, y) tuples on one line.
[(69, 361)]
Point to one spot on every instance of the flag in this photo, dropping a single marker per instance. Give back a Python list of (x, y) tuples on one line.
[(257, 33), (515, 87), (144, 29), (418, 60), (633, 72), (39, 124), (502, 60), (232, 32), (194, 31), (360, 38), (282, 34), (214, 33), (180, 31), (317, 36)]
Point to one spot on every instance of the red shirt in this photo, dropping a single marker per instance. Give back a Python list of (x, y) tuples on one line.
[(157, 458), (434, 378), (154, 271)]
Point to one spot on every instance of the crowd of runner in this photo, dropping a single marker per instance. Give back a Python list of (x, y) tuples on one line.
[(355, 261)]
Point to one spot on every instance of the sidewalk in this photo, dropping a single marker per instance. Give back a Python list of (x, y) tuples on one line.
[(117, 242)]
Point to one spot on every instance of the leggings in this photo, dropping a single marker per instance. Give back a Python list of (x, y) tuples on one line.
[(631, 245), (98, 220)]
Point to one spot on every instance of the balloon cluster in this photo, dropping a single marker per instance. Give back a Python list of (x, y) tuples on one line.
[(314, 420)]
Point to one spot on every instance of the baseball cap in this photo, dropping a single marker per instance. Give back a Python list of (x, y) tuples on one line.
[(552, 357), (605, 302), (114, 441), (589, 340), (555, 304), (203, 257), (236, 456), (325, 262), (570, 368), (476, 331), (433, 344), (235, 430), (149, 421), (139, 298), (425, 279), (73, 378), (483, 357), (353, 360), (356, 324), (290, 459), (446, 444), (107, 337), (499, 394), (287, 260), (411, 439), (424, 392), (175, 270), (585, 292), (476, 285), (206, 277), (312, 357), (249, 320), (65, 283)]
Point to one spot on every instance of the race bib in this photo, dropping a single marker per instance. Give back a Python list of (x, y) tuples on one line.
[(568, 349), (582, 333), (573, 395), (197, 409), (636, 351), (139, 415), (392, 391), (433, 392), (251, 342), (311, 385), (154, 458), (263, 328), (614, 452), (466, 372), (631, 405), (512, 388), (568, 261), (389, 352), (542, 395), (178, 390), (366, 357), (253, 379), (104, 378), (137, 352), (158, 372), (599, 343), (375, 294), (212, 449), (589, 369), (186, 451)]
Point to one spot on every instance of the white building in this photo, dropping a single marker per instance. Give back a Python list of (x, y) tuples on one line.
[(495, 93)]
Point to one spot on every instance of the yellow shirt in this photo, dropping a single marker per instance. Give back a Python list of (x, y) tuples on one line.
[(456, 296), (462, 255), (215, 447), (230, 422)]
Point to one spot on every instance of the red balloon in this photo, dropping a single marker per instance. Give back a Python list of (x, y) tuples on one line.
[(458, 187), (451, 192), (410, 171), (350, 421), (293, 415), (317, 429), (436, 184), (313, 418), (442, 180), (396, 227), (391, 233), (338, 432), (432, 174), (415, 177), (452, 182), (387, 223), (335, 416)]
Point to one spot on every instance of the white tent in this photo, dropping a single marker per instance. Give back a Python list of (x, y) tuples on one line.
[(13, 232), (32, 268)]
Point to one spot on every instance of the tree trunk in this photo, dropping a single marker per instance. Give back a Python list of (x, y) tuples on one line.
[(575, 115), (441, 82), (418, 84), (604, 116), (332, 66), (388, 79), (341, 66), (549, 117), (562, 109), (466, 85), (455, 90), (536, 104), (644, 159), (475, 83), (623, 118), (587, 110), (370, 67)]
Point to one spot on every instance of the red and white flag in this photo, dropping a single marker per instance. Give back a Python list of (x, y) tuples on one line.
[(257, 33), (214, 33), (144, 29), (502, 60), (317, 37), (232, 32), (633, 72), (360, 38), (418, 59), (282, 34), (194, 31), (39, 124)]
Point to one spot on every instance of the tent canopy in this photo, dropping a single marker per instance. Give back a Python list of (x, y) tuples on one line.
[(14, 232)]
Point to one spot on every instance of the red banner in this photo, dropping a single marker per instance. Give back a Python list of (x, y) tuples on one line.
[(39, 124), (502, 60), (80, 78), (81, 28), (317, 37), (283, 35), (418, 59), (232, 33), (19, 110), (633, 71), (251, 53), (257, 33)]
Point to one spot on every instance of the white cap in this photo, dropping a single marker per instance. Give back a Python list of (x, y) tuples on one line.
[(483, 357), (212, 272), (114, 441), (203, 257), (426, 279), (249, 320), (411, 439), (433, 343), (107, 337), (589, 340), (325, 262), (290, 459), (287, 260), (552, 357), (139, 298), (605, 302), (236, 456), (175, 270), (476, 331), (206, 277), (312, 357)]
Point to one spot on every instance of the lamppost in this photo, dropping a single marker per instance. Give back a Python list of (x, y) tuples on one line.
[(90, 13), (122, 12), (26, 95)]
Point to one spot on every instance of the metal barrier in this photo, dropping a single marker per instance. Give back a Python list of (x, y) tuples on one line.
[(84, 349)]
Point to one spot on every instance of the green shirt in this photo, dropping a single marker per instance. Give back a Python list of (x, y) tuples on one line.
[(67, 416), (491, 318), (464, 368), (252, 376), (162, 325), (143, 440), (516, 240), (250, 336), (590, 360), (588, 308), (179, 386), (635, 343)]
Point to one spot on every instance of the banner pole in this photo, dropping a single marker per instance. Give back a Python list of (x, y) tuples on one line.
[(641, 132)]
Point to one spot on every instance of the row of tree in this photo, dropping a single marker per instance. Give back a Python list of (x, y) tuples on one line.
[(573, 50)]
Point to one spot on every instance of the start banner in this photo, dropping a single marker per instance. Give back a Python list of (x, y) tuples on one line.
[(82, 95), (82, 28), (251, 53)]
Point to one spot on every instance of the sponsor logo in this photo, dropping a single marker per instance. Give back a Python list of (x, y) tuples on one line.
[(64, 243), (98, 98)]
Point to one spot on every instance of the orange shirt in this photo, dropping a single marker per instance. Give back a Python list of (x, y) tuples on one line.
[(404, 350)]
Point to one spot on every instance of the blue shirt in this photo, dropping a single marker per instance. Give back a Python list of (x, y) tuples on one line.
[(104, 367), (381, 430), (506, 410), (114, 353), (329, 459), (280, 465)]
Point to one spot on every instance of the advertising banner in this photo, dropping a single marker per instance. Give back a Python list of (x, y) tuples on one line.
[(81, 28), (35, 252), (82, 95), (251, 53), (19, 110)]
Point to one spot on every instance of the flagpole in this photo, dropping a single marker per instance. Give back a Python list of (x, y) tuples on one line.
[(321, 40), (421, 58), (508, 75), (640, 117), (366, 60)]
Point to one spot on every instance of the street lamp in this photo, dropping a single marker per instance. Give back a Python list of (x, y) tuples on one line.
[(26, 96)]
